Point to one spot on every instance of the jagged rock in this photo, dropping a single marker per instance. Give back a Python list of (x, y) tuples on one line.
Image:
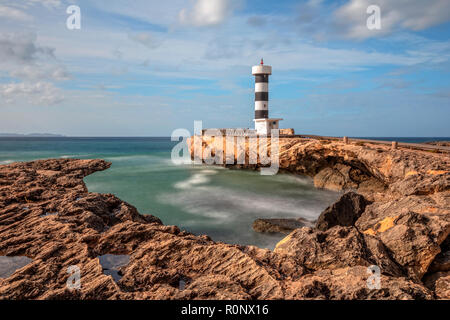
[(439, 282), (288, 131), (279, 225), (335, 178), (336, 248), (439, 143), (412, 228), (411, 242), (343, 212), (342, 166), (442, 260), (351, 283), (47, 215), (84, 226), (410, 191)]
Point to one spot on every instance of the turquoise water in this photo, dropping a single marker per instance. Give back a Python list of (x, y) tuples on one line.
[(201, 199)]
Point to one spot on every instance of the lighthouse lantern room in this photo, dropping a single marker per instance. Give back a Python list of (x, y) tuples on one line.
[(263, 124)]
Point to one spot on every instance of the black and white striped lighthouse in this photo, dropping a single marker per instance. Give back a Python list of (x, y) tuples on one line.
[(261, 73), (263, 124)]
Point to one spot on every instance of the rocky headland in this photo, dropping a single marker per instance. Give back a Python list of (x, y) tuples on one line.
[(396, 217), (395, 199)]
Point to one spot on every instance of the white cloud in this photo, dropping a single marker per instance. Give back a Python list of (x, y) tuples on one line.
[(398, 14), (39, 93), (22, 58), (37, 72), (14, 14), (59, 74), (46, 3), (21, 48), (206, 13)]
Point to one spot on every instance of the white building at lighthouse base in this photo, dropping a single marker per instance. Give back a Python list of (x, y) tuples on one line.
[(264, 126)]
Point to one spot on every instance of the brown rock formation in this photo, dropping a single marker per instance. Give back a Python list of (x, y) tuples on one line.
[(439, 143), (279, 225), (442, 260), (351, 283), (47, 215), (336, 248), (288, 132), (439, 282), (408, 218), (343, 212)]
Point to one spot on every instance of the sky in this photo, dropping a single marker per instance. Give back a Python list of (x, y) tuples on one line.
[(148, 67)]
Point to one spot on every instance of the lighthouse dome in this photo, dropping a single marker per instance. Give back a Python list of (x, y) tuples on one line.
[(261, 69)]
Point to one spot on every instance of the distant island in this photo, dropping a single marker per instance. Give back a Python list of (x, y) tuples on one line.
[(30, 135)]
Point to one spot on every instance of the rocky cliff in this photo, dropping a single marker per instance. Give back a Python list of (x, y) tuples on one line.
[(402, 206), (48, 216)]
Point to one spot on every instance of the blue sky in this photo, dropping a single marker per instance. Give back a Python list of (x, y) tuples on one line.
[(146, 67)]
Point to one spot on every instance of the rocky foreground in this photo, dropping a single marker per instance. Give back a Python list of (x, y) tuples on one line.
[(396, 215), (401, 224)]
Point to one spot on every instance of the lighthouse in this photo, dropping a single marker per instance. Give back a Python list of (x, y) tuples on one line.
[(263, 124)]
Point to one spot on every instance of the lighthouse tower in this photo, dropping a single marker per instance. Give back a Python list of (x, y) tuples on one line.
[(263, 124)]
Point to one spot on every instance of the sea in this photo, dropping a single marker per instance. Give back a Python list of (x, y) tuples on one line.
[(222, 203)]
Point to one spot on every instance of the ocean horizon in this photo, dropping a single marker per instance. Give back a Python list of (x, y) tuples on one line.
[(398, 139)]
